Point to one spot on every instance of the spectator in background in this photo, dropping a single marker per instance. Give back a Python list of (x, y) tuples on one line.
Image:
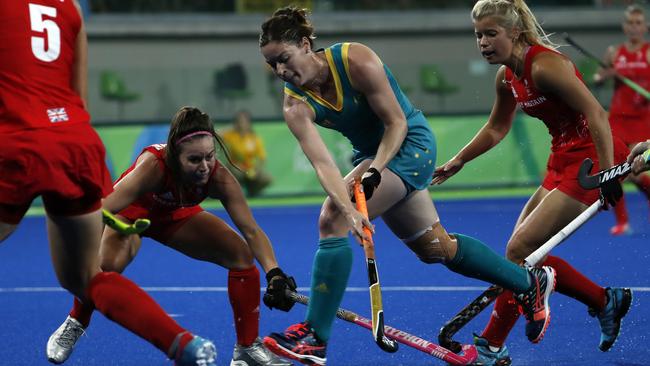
[(248, 153), (629, 112)]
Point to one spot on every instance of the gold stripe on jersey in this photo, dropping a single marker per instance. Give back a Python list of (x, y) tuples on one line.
[(344, 55), (337, 82), (301, 98)]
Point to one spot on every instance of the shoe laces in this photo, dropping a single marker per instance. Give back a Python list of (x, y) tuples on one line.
[(531, 299), (70, 334), (297, 331)]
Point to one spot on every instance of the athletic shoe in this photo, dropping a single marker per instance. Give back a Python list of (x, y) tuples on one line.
[(256, 355), (300, 343), (621, 229), (488, 357), (618, 303), (198, 352), (62, 341), (534, 302)]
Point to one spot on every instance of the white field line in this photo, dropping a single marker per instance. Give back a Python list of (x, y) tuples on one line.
[(302, 289)]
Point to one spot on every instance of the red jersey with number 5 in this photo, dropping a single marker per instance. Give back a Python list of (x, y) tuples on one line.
[(568, 127), (37, 43), (634, 66)]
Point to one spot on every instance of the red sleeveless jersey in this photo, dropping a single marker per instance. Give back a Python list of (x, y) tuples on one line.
[(634, 66), (568, 128), (37, 43), (168, 197)]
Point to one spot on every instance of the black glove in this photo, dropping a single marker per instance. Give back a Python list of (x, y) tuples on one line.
[(369, 183), (277, 284), (610, 192)]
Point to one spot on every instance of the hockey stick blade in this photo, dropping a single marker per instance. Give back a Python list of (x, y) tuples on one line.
[(122, 227), (594, 181), (467, 356), (445, 336), (382, 341), (585, 180)]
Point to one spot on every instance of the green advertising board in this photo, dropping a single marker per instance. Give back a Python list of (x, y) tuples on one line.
[(519, 160)]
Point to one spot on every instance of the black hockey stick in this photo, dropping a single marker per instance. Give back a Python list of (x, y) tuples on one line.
[(594, 181), (634, 86)]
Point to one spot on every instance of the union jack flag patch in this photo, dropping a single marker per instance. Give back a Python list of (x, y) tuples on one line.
[(57, 115)]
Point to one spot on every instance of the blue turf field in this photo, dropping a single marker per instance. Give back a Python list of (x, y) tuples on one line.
[(32, 306)]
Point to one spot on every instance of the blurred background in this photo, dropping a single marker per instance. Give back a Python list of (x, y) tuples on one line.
[(149, 57)]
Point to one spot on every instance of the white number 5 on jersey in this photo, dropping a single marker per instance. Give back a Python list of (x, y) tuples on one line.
[(51, 30)]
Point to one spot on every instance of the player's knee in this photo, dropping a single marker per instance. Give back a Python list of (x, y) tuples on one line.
[(76, 282), (111, 264), (329, 221), (241, 259), (515, 251), (432, 245)]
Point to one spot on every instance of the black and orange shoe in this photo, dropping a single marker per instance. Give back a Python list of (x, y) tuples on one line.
[(300, 343), (534, 302)]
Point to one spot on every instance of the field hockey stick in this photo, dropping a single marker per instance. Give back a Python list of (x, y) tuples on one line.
[(373, 277), (445, 337), (594, 181), (634, 86), (447, 332), (466, 357), (122, 227)]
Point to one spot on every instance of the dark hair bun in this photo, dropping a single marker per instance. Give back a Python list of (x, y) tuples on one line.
[(293, 14)]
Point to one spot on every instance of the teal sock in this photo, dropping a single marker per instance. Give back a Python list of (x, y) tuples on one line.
[(475, 259), (330, 273)]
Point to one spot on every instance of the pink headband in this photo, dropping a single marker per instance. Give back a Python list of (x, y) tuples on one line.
[(189, 135)]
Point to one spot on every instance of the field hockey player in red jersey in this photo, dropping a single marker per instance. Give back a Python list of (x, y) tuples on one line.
[(166, 184), (544, 84), (50, 149), (629, 111)]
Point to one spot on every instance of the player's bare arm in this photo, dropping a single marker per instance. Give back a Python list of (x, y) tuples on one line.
[(299, 118), (604, 74), (145, 177), (368, 77), (496, 128), (499, 122), (224, 186)]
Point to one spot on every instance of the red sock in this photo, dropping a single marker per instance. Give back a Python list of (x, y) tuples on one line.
[(574, 284), (621, 212), (123, 302), (503, 318), (82, 312), (644, 185), (244, 295)]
